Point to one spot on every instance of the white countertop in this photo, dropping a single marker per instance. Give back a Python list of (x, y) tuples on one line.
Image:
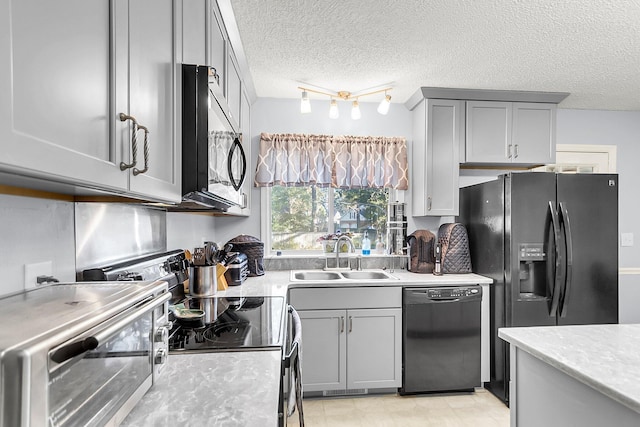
[(213, 389), (605, 357), (278, 282), (241, 388)]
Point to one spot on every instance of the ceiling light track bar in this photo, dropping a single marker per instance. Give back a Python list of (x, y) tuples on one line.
[(343, 94)]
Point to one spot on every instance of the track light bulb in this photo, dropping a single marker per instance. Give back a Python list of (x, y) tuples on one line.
[(333, 110), (355, 110), (305, 104), (383, 108)]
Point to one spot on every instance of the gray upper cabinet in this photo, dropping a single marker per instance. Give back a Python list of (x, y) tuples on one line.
[(66, 81), (55, 116), (438, 128), (534, 133), (488, 131), (194, 31), (217, 44), (510, 132), (154, 45), (233, 93)]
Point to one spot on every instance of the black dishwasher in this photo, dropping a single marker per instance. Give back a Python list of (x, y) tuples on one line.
[(440, 339)]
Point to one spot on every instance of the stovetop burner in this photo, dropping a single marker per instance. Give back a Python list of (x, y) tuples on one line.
[(231, 324)]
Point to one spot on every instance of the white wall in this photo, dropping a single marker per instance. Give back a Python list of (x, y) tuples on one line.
[(188, 230), (620, 128), (33, 231)]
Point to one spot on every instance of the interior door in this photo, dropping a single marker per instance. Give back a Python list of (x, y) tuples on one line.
[(590, 202)]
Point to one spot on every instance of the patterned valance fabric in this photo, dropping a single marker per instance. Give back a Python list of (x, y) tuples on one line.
[(332, 161)]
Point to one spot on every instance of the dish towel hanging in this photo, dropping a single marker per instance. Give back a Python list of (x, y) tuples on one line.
[(295, 377)]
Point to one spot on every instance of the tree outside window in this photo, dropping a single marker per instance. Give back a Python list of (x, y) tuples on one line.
[(300, 216)]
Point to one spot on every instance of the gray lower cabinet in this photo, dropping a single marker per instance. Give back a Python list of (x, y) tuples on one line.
[(351, 349), (345, 349), (324, 350), (374, 348)]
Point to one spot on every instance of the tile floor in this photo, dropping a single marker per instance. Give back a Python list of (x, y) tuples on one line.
[(479, 409)]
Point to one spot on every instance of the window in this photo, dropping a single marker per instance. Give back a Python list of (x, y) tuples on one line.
[(298, 218), (316, 185)]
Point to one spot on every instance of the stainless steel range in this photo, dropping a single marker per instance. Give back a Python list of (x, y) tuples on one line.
[(228, 324), (231, 324)]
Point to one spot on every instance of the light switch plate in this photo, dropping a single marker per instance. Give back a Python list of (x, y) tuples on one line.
[(626, 239), (32, 271)]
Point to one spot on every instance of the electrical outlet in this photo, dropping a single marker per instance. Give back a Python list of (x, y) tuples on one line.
[(626, 239), (32, 271)]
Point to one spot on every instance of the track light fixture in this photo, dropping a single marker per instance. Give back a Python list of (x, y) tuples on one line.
[(355, 111), (305, 104), (383, 108), (333, 109)]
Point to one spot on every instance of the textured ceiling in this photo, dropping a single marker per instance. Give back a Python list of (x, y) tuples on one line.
[(589, 48)]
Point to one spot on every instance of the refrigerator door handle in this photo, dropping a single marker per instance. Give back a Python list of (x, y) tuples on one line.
[(556, 277), (564, 218)]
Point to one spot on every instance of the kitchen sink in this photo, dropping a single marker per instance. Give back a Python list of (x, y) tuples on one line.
[(366, 275), (316, 275), (341, 276)]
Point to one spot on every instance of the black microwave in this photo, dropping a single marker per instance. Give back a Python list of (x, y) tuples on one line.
[(214, 164)]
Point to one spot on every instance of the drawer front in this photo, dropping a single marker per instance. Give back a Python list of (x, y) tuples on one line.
[(327, 298)]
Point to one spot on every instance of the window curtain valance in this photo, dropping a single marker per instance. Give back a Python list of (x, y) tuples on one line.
[(332, 161)]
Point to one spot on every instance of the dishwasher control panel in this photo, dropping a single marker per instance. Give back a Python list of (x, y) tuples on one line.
[(452, 292)]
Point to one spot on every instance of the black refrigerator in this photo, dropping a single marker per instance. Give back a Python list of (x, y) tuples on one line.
[(549, 241)]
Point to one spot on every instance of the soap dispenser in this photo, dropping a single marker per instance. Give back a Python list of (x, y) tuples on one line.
[(366, 244), (380, 246)]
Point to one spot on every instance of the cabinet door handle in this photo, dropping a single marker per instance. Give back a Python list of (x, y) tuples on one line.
[(137, 171), (341, 324), (516, 152), (134, 145), (350, 323), (429, 203), (134, 142), (509, 148)]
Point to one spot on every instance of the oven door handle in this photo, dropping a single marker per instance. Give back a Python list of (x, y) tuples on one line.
[(297, 336), (69, 351)]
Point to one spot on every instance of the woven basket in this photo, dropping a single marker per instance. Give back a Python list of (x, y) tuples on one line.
[(253, 248)]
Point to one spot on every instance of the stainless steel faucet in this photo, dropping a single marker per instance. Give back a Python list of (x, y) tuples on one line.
[(343, 238)]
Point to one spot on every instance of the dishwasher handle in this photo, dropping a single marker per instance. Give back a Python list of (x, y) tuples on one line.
[(441, 300)]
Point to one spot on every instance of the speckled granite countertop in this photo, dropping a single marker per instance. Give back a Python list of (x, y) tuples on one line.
[(605, 357), (213, 389), (241, 388)]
